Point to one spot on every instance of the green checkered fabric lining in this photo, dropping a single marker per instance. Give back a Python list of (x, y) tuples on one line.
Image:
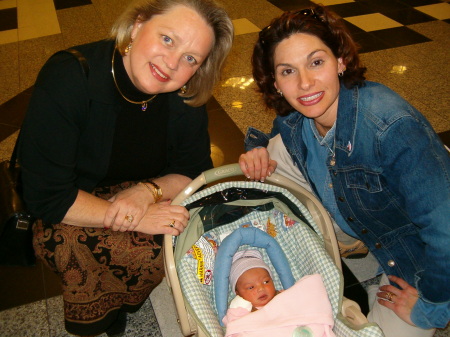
[(304, 249)]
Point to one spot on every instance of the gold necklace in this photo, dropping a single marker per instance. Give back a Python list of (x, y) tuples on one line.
[(143, 103)]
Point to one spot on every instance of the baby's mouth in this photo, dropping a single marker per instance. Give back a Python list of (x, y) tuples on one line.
[(262, 298)]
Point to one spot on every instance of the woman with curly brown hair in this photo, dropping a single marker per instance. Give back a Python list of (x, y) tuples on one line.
[(372, 159)]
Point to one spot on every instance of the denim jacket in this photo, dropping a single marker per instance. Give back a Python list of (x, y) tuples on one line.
[(391, 178)]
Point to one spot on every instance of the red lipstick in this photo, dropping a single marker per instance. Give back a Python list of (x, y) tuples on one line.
[(158, 73)]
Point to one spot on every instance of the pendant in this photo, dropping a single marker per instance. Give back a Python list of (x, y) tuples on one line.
[(144, 106)]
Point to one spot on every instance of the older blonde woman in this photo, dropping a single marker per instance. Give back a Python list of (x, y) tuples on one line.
[(103, 155)]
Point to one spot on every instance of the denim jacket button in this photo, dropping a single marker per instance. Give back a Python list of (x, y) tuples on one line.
[(341, 199), (378, 245), (350, 219), (364, 231), (335, 173), (391, 263)]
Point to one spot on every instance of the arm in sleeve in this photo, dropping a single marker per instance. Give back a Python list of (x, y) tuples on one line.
[(430, 315), (256, 138), (418, 170), (49, 138)]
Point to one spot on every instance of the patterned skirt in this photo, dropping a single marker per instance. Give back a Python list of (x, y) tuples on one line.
[(103, 272)]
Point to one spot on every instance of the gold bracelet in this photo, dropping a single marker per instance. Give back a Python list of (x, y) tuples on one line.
[(152, 190), (155, 190), (158, 190)]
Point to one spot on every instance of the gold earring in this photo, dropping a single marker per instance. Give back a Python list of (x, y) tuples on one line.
[(280, 92), (183, 89), (128, 48)]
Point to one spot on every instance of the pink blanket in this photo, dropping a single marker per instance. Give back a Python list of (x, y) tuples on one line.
[(305, 304)]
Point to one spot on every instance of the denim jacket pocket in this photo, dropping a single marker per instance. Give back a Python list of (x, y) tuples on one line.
[(366, 187), (255, 138)]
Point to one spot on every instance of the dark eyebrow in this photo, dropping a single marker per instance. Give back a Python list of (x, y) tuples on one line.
[(310, 55)]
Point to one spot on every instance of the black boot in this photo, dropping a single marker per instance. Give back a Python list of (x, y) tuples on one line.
[(117, 329)]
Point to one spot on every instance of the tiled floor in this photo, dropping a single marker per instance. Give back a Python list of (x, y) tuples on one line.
[(404, 44)]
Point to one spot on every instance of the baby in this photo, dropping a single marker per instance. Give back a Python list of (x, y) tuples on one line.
[(251, 280)]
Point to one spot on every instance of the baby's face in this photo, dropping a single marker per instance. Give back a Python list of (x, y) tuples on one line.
[(256, 286)]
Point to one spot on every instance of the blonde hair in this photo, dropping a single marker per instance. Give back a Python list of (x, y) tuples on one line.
[(201, 84)]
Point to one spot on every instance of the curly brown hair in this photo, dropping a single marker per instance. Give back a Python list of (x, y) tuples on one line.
[(317, 21)]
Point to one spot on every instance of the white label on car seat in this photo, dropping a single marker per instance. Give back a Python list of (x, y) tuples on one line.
[(204, 254)]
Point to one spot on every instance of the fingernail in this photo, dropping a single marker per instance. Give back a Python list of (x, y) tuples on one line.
[(248, 177)]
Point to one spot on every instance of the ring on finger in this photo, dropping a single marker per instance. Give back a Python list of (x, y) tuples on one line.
[(129, 218), (389, 296), (172, 224)]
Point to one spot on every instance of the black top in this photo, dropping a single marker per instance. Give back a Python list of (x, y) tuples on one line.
[(136, 132), (80, 133)]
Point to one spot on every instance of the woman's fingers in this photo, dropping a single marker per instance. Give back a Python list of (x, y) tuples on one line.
[(130, 222), (256, 164), (127, 209), (272, 167), (162, 218), (176, 227), (403, 284), (401, 301), (246, 165), (178, 220), (120, 217)]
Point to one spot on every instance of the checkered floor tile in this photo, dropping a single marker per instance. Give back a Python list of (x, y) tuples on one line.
[(380, 24), (8, 11)]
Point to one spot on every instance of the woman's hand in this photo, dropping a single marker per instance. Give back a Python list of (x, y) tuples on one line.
[(163, 218), (401, 301), (127, 208), (256, 164)]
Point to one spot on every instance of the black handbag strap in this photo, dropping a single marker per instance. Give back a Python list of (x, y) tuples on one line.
[(83, 62), (84, 66)]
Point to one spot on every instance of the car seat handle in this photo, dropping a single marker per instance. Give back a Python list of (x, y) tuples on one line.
[(209, 176)]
